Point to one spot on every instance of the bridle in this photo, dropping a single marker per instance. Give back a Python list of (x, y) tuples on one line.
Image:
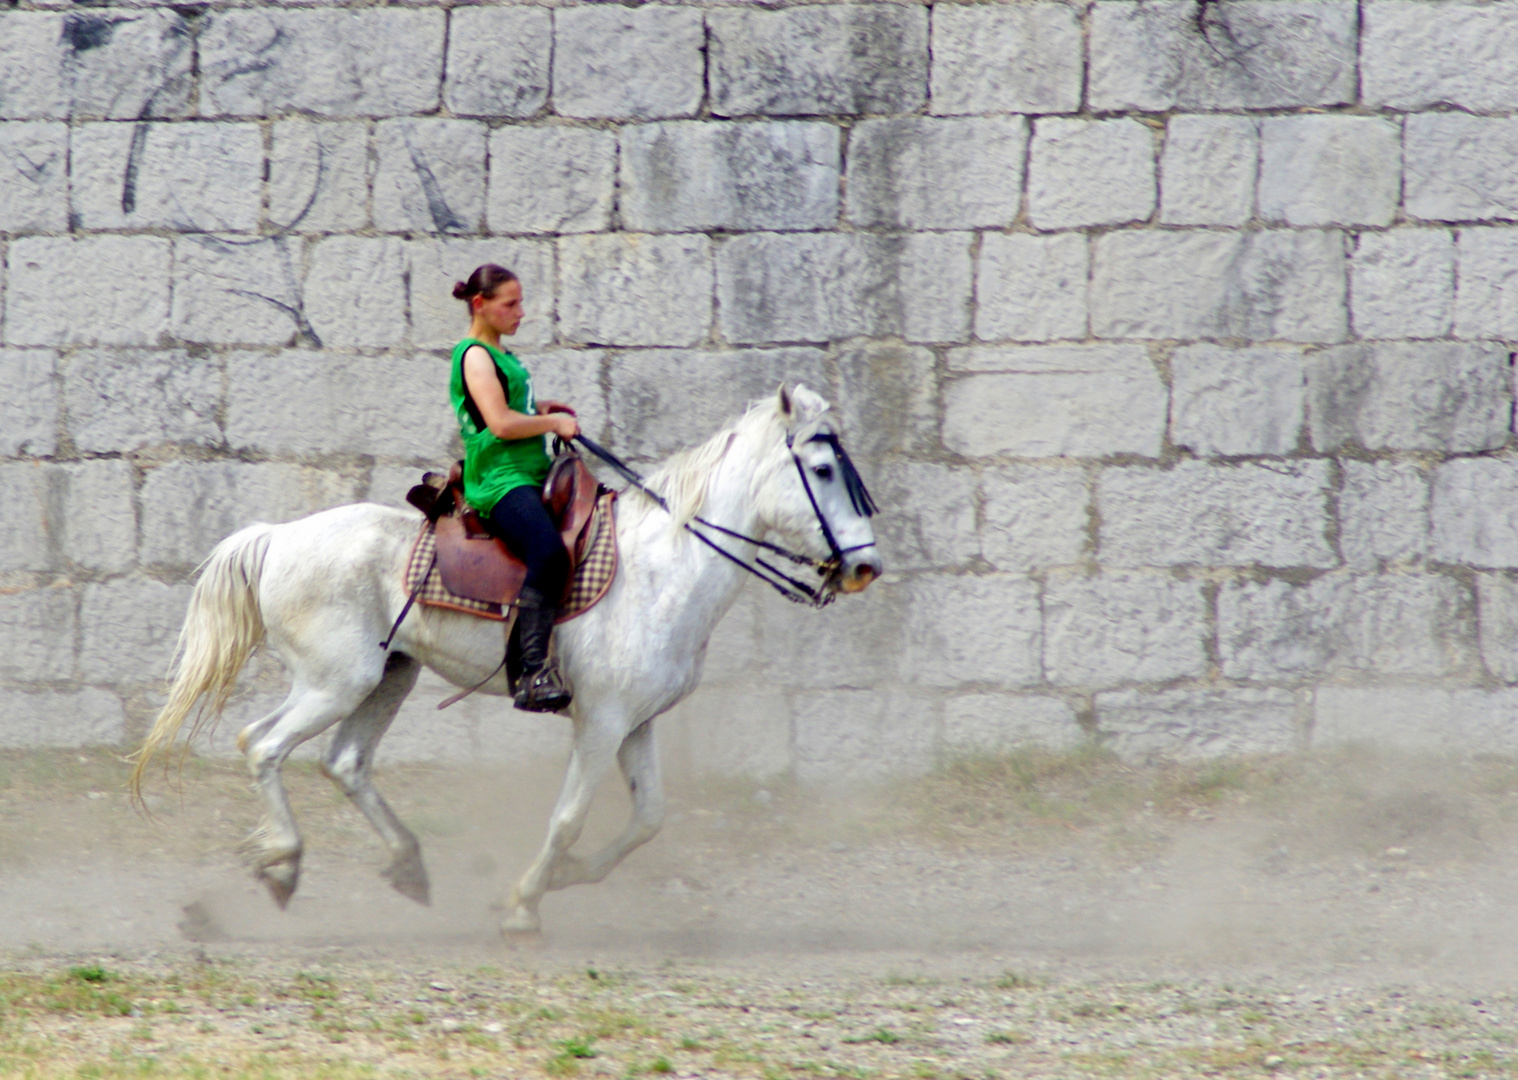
[(787, 586)]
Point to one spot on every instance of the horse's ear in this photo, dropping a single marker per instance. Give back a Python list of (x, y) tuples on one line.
[(784, 403)]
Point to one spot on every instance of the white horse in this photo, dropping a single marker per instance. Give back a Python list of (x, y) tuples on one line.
[(324, 591)]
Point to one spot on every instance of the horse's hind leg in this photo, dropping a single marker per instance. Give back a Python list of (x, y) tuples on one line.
[(639, 758), (349, 759)]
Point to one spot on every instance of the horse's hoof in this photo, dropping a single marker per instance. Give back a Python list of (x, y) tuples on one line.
[(281, 878), (408, 877), (521, 926)]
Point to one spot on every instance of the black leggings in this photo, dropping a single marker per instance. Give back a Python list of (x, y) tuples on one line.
[(521, 520)]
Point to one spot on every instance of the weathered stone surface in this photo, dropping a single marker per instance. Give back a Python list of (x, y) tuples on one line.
[(1023, 58), (124, 400), (1255, 54), (230, 291), (1126, 627), (1474, 512), (937, 287), (1090, 172), (29, 406), (689, 175), (974, 630), (1236, 401), (1486, 302), (328, 61), (42, 285), (431, 175), (551, 179), (1000, 723), (1483, 721), (730, 732), (930, 523), (130, 627), (628, 63), (354, 293), (1404, 717), (99, 526), (1034, 517), (1264, 285), (88, 717), (319, 176), (1403, 626), (921, 172), (1410, 396), (1402, 283), (860, 643), (124, 65), (33, 176), (575, 376), (1207, 173), (37, 629), (388, 485), (1050, 400), (877, 379), (185, 177), (856, 735), (307, 402), (438, 320), (813, 61), (1383, 513), (1141, 725), (1203, 514), (498, 61), (635, 289), (26, 488), (1459, 167), (1497, 601), (1330, 169), (809, 286), (1031, 288), (1414, 54)]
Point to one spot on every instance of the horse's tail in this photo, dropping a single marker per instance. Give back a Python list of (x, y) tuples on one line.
[(221, 630)]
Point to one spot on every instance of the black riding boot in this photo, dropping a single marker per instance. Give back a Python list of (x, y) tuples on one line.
[(541, 687)]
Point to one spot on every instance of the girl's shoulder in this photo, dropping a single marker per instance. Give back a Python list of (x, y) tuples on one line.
[(499, 355)]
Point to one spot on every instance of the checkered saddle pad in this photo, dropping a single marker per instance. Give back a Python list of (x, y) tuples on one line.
[(589, 582)]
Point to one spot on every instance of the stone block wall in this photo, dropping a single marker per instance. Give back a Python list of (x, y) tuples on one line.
[(1175, 337)]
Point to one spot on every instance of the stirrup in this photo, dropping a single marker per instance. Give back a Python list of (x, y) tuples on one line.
[(543, 690)]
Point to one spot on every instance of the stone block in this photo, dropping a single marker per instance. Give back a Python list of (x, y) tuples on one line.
[(635, 289), (1414, 54), (849, 736), (429, 176), (26, 489), (1397, 625), (319, 176), (439, 321), (1005, 58), (817, 61), (1090, 172), (1402, 284), (1286, 285), (1034, 517), (1459, 167), (734, 645), (1497, 604), (858, 642), (354, 294), (977, 724), (99, 522), (119, 64), (1122, 628), (130, 627), (1449, 396), (1483, 720), (923, 172), (388, 485), (238, 292), (1236, 401), (37, 628), (34, 195), (1202, 514), (1383, 513), (733, 732), (42, 290), (551, 179), (87, 717), (184, 177), (189, 507), (628, 63), (574, 376), (1403, 717), (928, 520), (328, 62), (303, 401), (1054, 401), (124, 400), (498, 61), (705, 390), (1032, 288), (897, 383), (1330, 169), (1486, 299), (937, 284), (29, 406), (688, 175), (1207, 172), (1253, 54), (1170, 725), (1474, 512)]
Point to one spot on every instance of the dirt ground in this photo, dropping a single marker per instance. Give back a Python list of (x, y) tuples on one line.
[(1024, 916)]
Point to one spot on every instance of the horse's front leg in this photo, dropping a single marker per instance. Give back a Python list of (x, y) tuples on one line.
[(639, 758)]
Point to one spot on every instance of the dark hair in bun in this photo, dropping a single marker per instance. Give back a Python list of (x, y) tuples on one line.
[(483, 282)]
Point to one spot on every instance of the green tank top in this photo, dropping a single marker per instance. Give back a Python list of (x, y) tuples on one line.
[(493, 466)]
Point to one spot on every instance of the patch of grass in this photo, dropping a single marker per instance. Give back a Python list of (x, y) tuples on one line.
[(1007, 1038), (566, 1062), (880, 1035), (1011, 980)]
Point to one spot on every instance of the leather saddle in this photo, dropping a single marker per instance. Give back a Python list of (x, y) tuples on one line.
[(473, 561)]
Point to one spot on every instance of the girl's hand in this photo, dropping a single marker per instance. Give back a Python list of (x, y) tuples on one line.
[(565, 426), (546, 407)]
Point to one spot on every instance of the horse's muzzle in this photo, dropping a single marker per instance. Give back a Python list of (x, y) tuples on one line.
[(858, 573)]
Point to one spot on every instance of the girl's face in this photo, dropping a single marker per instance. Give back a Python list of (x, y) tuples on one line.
[(503, 311)]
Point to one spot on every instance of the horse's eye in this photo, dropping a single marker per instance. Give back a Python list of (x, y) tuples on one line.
[(824, 472)]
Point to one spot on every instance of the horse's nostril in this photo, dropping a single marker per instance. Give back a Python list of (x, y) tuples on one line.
[(859, 578)]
